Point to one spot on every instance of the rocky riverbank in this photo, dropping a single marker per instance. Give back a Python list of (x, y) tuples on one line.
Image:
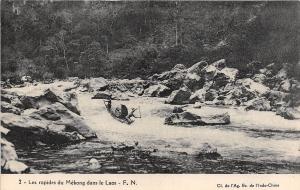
[(36, 115)]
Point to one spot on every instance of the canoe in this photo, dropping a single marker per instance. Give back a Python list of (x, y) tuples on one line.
[(117, 116)]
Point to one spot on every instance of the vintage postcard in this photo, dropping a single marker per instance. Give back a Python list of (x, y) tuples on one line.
[(150, 95)]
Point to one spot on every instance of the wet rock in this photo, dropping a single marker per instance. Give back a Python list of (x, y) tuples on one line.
[(8, 108), (49, 97), (123, 147), (218, 119), (208, 152), (8, 152), (9, 163), (94, 163), (158, 90), (288, 113), (197, 105), (52, 124), (102, 95), (180, 96), (260, 104), (15, 167), (177, 109), (188, 118)]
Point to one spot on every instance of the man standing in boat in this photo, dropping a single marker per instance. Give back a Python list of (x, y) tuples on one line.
[(109, 102)]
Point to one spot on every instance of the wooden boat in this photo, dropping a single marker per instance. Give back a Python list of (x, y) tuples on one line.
[(116, 115)]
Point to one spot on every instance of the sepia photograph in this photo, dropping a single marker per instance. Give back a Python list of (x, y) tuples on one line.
[(150, 87)]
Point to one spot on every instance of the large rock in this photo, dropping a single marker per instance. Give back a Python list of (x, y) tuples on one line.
[(158, 90), (15, 167), (102, 95), (9, 163), (176, 79), (219, 64), (252, 86), (285, 85), (260, 104), (180, 96), (197, 67), (49, 97), (260, 78), (211, 94), (8, 152), (276, 96), (288, 113), (8, 108), (193, 81), (52, 124), (188, 118), (207, 151), (97, 84), (198, 96)]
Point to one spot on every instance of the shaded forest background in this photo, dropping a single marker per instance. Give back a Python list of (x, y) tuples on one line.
[(58, 39)]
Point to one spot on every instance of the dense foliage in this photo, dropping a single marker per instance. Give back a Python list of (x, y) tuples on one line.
[(56, 39)]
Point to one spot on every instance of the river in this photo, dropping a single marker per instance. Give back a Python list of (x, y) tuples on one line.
[(254, 142)]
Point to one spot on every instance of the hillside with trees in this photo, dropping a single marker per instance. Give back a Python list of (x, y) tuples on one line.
[(59, 39)]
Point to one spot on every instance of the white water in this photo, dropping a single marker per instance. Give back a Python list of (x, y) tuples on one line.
[(235, 141), (245, 138)]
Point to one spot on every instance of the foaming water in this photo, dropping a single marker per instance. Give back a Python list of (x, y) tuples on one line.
[(252, 135)]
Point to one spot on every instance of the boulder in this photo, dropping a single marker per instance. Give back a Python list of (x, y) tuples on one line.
[(260, 78), (158, 90), (288, 113), (219, 64), (180, 96), (218, 119), (285, 85), (199, 96), (197, 105), (188, 118), (260, 104), (102, 95), (208, 152), (197, 67), (251, 86), (276, 96), (51, 124), (49, 97), (210, 95), (175, 80), (8, 151), (26, 79), (177, 109), (15, 167), (230, 73), (193, 81), (210, 72), (179, 67), (97, 84), (8, 108)]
